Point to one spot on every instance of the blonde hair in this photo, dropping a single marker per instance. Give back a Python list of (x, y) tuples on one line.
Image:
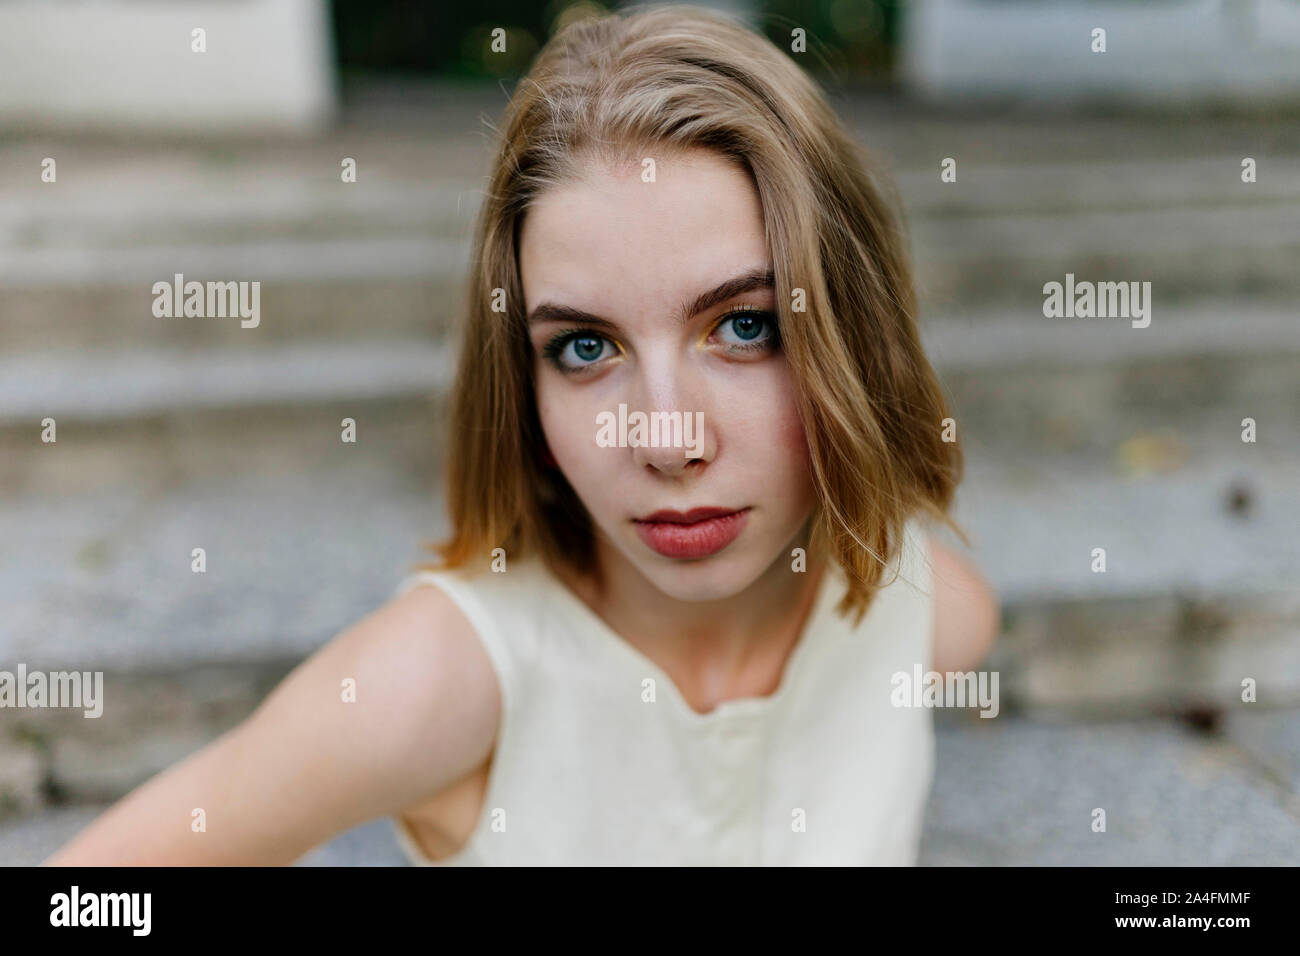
[(675, 78)]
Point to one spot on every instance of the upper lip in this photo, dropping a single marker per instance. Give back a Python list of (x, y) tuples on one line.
[(695, 515)]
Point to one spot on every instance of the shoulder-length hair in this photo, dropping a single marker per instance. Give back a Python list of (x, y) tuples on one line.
[(672, 78)]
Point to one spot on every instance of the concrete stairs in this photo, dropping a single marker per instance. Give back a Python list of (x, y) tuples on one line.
[(181, 433)]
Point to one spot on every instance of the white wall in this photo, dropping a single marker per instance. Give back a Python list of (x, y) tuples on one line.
[(129, 63), (1157, 50)]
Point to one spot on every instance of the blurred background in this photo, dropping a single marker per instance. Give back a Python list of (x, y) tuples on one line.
[(208, 137)]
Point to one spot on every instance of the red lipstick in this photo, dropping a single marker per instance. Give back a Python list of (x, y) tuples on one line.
[(693, 534)]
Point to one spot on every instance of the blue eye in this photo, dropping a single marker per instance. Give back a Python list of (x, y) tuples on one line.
[(748, 329), (577, 350), (585, 349)]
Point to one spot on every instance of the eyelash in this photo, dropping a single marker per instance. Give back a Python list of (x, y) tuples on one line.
[(552, 349)]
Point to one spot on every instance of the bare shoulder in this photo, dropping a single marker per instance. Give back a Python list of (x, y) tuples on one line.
[(391, 711), (415, 706), (967, 618), (433, 692)]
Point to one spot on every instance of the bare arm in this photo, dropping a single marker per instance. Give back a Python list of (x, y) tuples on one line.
[(967, 618), (306, 765)]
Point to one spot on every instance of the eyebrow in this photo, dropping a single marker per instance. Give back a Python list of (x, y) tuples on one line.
[(751, 281)]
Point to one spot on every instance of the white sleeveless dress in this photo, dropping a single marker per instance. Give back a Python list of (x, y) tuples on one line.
[(587, 772)]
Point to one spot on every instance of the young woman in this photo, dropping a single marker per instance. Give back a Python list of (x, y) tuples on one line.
[(663, 645)]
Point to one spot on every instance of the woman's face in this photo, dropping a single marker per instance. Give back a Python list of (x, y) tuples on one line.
[(618, 274)]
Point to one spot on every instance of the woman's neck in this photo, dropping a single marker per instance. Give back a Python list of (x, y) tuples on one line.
[(717, 650)]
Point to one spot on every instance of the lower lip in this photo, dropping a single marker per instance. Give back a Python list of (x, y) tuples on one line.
[(698, 540)]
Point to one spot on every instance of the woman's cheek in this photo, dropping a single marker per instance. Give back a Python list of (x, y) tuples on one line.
[(771, 427), (564, 419), (551, 413), (786, 443), (789, 431)]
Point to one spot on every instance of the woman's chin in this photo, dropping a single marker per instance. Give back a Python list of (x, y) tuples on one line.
[(715, 578)]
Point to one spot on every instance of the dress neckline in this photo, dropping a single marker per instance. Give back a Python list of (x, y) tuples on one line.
[(748, 707)]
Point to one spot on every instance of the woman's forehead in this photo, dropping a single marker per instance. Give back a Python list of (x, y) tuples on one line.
[(615, 239)]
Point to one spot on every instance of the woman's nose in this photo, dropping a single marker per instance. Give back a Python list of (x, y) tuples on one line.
[(672, 442), (675, 434)]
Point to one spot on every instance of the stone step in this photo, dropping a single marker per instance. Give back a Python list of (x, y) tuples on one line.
[(147, 382), (220, 207), (362, 290), (303, 534), (1007, 368), (1068, 186), (1030, 388), (1183, 252), (1021, 792), (1197, 592), (1080, 433), (320, 243), (111, 317), (1173, 796), (292, 204), (78, 258), (27, 840)]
